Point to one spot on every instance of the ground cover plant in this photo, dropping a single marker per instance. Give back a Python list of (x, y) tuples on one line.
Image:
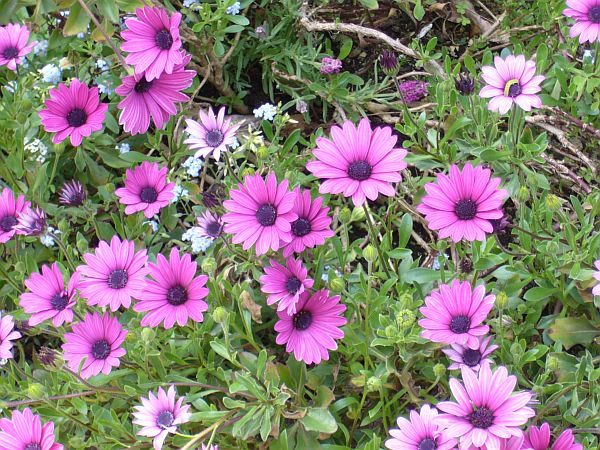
[(299, 225)]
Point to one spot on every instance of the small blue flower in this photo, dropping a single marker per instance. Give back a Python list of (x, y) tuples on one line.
[(40, 48), (153, 224), (102, 65), (51, 74), (193, 166), (189, 3), (179, 192), (266, 112), (123, 147), (234, 143), (234, 9), (199, 243)]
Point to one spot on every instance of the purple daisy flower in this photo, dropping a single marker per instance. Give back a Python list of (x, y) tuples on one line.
[(10, 209), (462, 355), (13, 45), (413, 90), (210, 224), (596, 289), (587, 19), (24, 431), (212, 134), (7, 334), (285, 284), (539, 439), (31, 222), (72, 194), (330, 65), (420, 433)]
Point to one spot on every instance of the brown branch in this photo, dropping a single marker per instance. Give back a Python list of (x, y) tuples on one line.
[(51, 398)]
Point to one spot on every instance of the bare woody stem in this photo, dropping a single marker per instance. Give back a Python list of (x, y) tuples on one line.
[(51, 398)]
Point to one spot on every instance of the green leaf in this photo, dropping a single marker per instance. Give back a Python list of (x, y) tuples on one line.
[(77, 22), (539, 293), (239, 20), (109, 9), (319, 419), (418, 12), (345, 49), (370, 4), (573, 330)]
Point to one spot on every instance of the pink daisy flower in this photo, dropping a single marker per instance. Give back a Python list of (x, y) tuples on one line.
[(285, 284), (595, 290), (486, 411), (586, 14), (31, 222), (511, 81), (155, 98), (454, 314), (160, 414), (420, 433), (462, 355), (311, 228), (463, 204), (210, 224), (13, 45), (539, 439), (25, 431), (10, 209), (146, 189), (358, 162), (513, 443), (114, 275), (72, 194), (7, 334), (48, 298), (260, 212), (210, 447), (311, 332), (152, 40), (73, 111), (97, 340), (212, 134), (175, 294)]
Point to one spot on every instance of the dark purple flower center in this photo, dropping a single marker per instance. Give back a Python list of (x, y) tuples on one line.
[(460, 324), (266, 215), (7, 223), (117, 279), (101, 349), (292, 285), (10, 53), (33, 446), (143, 86), (471, 357), (76, 117), (302, 320), (482, 418), (301, 227), (148, 195), (464, 84), (427, 444), (163, 39), (594, 14), (213, 229), (359, 170), (514, 89), (165, 419), (59, 301), (176, 295), (214, 138), (465, 209)]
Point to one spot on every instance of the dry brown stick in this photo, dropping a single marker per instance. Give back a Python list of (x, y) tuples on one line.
[(566, 173), (16, 403), (574, 120), (473, 15)]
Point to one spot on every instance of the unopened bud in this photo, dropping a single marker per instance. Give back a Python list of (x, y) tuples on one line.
[(209, 264), (370, 253), (501, 299), (345, 215), (220, 314), (439, 370), (523, 194), (553, 203), (336, 284)]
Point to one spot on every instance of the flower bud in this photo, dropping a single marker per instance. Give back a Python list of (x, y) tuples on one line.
[(373, 384), (337, 284), (553, 203), (405, 318), (209, 264), (36, 391), (220, 314), (389, 63), (247, 171), (148, 334), (439, 370), (523, 194), (46, 356), (370, 253), (464, 83), (501, 299), (552, 363), (345, 215), (466, 265), (262, 152)]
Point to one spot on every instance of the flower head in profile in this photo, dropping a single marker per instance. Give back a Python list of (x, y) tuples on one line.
[(454, 314), (159, 415), (419, 433), (388, 61), (73, 112), (511, 81), (212, 134), (465, 84), (48, 298), (311, 228), (72, 194), (31, 222), (210, 224), (260, 212), (98, 342), (596, 289), (24, 430), (462, 355), (285, 284), (358, 162), (146, 189), (175, 293), (539, 438), (10, 210), (7, 334), (14, 45), (311, 331), (462, 205), (486, 410), (586, 14), (114, 274), (153, 42)]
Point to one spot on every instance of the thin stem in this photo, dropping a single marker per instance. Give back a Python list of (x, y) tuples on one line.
[(9, 279), (51, 398), (207, 431), (230, 167), (376, 241), (91, 386), (62, 247), (409, 114)]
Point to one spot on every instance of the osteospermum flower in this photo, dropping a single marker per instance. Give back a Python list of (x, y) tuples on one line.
[(586, 14), (311, 228), (7, 334), (513, 443), (511, 81), (454, 314), (311, 331), (48, 298), (462, 355), (420, 433), (210, 135), (113, 275), (486, 410), (285, 284), (160, 414), (24, 431), (413, 90), (596, 289), (10, 209), (155, 98), (72, 194), (73, 112), (358, 162), (153, 42), (13, 45), (210, 225), (539, 439), (260, 213), (175, 294), (146, 189), (31, 222), (463, 204), (97, 340)]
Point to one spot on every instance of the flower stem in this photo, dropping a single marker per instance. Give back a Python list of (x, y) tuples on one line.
[(375, 240)]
